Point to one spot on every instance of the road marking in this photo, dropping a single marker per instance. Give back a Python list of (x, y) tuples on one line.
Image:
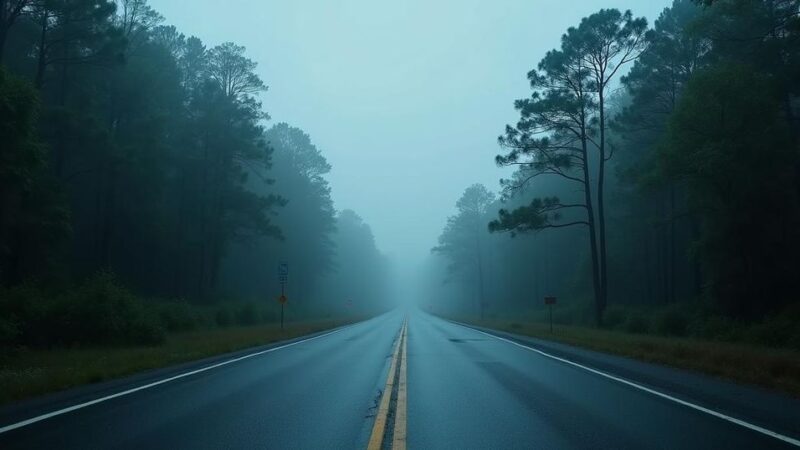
[(59, 412), (711, 412), (399, 433), (379, 427)]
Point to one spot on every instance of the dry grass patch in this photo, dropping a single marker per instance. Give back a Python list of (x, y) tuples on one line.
[(28, 373), (768, 367)]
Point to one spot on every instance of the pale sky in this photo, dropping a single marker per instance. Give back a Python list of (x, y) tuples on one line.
[(404, 98)]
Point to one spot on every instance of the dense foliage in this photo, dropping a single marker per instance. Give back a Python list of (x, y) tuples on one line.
[(130, 148), (690, 159)]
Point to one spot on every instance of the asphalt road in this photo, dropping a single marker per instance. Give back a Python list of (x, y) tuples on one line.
[(466, 389)]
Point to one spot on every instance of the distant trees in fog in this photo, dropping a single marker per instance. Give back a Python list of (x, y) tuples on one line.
[(700, 200), (128, 146)]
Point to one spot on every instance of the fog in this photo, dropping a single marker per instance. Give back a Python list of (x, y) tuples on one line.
[(404, 99), (322, 223), (634, 159)]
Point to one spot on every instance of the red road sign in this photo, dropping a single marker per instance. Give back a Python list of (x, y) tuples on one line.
[(549, 300), (282, 299)]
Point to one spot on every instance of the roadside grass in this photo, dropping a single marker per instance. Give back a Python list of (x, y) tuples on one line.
[(772, 368), (30, 372)]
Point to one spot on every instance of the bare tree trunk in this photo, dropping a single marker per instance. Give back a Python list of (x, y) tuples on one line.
[(180, 232), (9, 13), (596, 284), (648, 262), (672, 263), (217, 243), (201, 276), (481, 298), (109, 217), (603, 297), (3, 39), (41, 63), (698, 270), (60, 146), (663, 246)]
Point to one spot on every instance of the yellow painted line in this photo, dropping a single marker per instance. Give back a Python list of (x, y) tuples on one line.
[(379, 428), (399, 437)]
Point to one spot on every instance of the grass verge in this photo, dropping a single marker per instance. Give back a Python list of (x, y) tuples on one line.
[(767, 367), (28, 373)]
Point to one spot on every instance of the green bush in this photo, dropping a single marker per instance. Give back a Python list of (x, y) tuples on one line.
[(9, 332), (223, 317), (268, 316), (102, 311), (615, 316), (717, 328), (637, 323), (563, 316), (178, 316), (247, 314), (774, 331), (98, 313), (34, 313), (672, 321)]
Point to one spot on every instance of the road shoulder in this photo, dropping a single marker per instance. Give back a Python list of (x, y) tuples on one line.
[(757, 405)]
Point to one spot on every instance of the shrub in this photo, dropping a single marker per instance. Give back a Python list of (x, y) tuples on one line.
[(101, 311), (223, 317), (615, 316), (774, 331), (672, 321), (637, 323), (178, 316), (566, 314), (247, 314), (9, 332), (271, 316), (34, 313), (717, 328), (790, 317)]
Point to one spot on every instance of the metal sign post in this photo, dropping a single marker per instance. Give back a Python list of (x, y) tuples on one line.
[(283, 278), (550, 301)]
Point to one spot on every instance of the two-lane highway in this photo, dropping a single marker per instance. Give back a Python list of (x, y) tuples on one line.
[(316, 394), (468, 389), (463, 389)]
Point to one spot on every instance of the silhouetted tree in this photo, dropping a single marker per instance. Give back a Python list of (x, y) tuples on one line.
[(462, 241), (565, 118), (34, 221), (749, 235), (10, 11)]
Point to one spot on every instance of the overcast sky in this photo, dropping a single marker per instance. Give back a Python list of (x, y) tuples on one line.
[(404, 98)]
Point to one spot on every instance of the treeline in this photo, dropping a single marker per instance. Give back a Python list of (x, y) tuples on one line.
[(657, 181), (130, 148)]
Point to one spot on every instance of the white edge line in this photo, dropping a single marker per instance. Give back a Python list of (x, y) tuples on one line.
[(719, 415), (68, 409)]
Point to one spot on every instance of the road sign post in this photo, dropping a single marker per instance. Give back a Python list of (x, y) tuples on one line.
[(550, 301), (283, 278), (282, 300)]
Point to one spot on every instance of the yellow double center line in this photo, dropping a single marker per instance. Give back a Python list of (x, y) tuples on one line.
[(399, 377)]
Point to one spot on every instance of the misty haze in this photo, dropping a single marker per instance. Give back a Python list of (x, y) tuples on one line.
[(440, 224)]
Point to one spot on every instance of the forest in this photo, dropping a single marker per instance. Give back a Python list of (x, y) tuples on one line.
[(144, 189), (656, 182), (399, 224), (654, 185)]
